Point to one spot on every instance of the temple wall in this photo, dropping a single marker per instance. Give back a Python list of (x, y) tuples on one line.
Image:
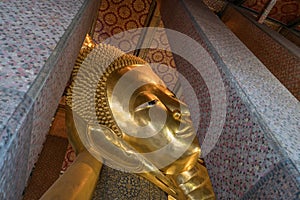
[(57, 71), (41, 42), (278, 54), (15, 156), (256, 153)]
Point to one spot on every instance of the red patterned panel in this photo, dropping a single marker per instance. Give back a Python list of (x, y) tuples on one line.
[(116, 16), (69, 159), (162, 61), (256, 5), (284, 11)]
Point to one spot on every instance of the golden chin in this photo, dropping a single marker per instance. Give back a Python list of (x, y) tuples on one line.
[(186, 177)]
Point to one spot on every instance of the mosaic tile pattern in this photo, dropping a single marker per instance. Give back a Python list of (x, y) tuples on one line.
[(244, 153), (48, 99), (279, 181), (246, 150), (14, 106), (13, 166), (129, 186), (282, 62), (114, 184), (37, 27), (10, 99)]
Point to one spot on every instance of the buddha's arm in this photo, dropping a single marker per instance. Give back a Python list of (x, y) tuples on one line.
[(78, 182)]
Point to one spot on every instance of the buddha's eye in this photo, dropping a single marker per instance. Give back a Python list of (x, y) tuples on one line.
[(146, 105), (153, 102)]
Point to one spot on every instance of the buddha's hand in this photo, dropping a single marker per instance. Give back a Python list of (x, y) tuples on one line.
[(195, 183)]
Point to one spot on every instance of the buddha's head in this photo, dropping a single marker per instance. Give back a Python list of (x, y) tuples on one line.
[(134, 103)]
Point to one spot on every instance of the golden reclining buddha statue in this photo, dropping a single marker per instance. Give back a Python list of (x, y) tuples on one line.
[(120, 113)]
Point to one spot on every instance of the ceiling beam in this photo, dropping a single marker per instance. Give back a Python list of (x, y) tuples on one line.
[(238, 2), (271, 19), (266, 11), (294, 23)]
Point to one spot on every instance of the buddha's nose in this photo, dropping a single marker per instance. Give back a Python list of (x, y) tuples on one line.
[(176, 114)]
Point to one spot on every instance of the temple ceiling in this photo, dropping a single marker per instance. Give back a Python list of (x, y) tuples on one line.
[(284, 13)]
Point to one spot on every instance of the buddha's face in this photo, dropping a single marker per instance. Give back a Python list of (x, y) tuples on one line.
[(153, 121)]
